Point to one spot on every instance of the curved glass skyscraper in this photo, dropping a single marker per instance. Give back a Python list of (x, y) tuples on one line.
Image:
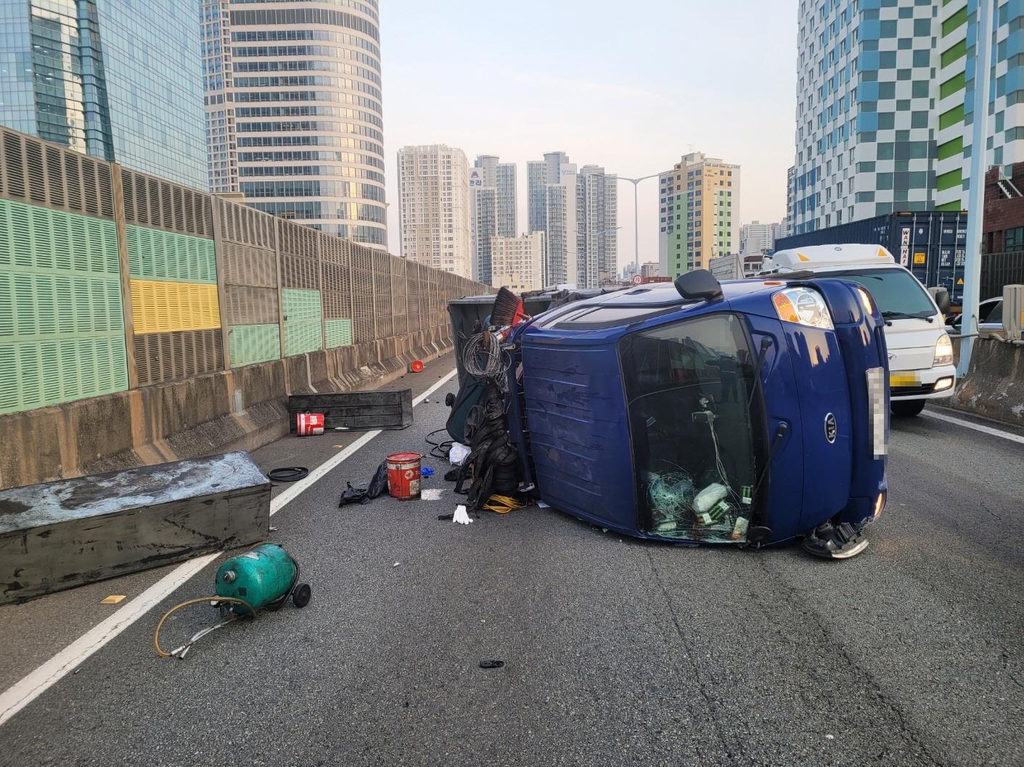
[(293, 106)]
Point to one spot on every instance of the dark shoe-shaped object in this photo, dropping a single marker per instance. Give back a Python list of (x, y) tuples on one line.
[(831, 542)]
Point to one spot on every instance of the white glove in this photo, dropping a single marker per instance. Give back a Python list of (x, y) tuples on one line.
[(461, 516)]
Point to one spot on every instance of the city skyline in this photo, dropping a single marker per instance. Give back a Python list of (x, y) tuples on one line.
[(623, 107)]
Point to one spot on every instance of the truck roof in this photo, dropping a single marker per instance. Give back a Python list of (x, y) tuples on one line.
[(827, 255)]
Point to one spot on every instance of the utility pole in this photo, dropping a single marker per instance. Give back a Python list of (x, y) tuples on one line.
[(976, 194)]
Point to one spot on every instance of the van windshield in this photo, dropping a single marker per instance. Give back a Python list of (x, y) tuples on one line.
[(896, 291)]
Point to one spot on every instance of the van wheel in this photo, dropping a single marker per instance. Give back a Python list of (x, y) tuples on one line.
[(907, 408)]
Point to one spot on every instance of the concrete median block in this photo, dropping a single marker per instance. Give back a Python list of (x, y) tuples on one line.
[(62, 534)]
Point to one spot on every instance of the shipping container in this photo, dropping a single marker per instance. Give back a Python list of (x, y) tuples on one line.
[(932, 244)]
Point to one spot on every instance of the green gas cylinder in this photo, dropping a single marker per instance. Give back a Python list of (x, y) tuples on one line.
[(261, 576)]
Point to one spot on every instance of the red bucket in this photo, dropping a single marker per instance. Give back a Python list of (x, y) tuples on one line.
[(404, 475), (307, 424)]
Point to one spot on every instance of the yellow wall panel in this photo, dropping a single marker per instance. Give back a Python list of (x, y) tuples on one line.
[(165, 307)]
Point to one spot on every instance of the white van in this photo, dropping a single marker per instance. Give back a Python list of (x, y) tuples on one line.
[(920, 352)]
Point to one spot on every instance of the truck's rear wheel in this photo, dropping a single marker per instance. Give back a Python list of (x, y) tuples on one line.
[(907, 408)]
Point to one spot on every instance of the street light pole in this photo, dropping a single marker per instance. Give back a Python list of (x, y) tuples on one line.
[(636, 223), (976, 194)]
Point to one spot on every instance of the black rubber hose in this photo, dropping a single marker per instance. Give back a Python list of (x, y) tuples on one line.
[(288, 474)]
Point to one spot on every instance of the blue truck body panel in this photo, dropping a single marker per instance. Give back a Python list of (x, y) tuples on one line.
[(570, 411)]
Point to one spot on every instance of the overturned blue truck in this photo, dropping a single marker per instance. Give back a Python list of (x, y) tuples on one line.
[(743, 413)]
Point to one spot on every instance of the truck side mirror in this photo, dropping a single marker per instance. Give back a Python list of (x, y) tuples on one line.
[(941, 298)]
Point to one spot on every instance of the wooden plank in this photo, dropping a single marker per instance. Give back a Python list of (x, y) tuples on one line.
[(63, 534)]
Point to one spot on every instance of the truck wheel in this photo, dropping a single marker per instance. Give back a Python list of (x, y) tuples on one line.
[(907, 408)]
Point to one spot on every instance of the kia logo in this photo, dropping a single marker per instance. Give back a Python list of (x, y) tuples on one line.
[(830, 428)]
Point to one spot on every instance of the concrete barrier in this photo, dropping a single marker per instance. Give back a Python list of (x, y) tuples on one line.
[(62, 534), (238, 409), (994, 385)]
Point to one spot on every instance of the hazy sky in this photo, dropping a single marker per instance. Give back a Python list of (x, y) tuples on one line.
[(628, 85)]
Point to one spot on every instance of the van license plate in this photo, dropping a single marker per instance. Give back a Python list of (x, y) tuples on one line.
[(903, 380)]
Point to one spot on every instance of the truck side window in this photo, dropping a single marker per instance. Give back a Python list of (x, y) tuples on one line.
[(688, 385)]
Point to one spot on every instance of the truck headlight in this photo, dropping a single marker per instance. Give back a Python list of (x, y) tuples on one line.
[(802, 306), (943, 351)]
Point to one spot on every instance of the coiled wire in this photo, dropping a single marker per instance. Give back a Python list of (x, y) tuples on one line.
[(482, 355)]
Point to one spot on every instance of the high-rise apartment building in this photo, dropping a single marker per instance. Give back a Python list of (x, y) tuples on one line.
[(866, 123), (757, 238), (518, 262), (597, 217), (578, 211), (435, 210), (787, 222), (492, 187), (699, 213), (293, 110), (117, 80), (958, 21), (552, 209)]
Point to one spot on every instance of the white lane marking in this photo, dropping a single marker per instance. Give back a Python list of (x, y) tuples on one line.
[(976, 426), (20, 694)]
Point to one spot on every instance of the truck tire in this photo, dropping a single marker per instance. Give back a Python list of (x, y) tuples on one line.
[(907, 408)]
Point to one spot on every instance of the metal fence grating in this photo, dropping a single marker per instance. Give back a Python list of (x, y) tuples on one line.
[(399, 296), (166, 356), (250, 306), (246, 265), (338, 333), (362, 296), (300, 272), (382, 294), (156, 254), (61, 321), (298, 240), (165, 307), (302, 321), (162, 205), (250, 344), (39, 172)]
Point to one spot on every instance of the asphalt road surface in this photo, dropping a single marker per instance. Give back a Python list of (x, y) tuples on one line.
[(615, 652)]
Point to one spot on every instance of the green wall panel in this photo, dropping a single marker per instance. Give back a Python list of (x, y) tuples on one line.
[(254, 343), (154, 254), (952, 117), (955, 53), (302, 317), (339, 333), (61, 320)]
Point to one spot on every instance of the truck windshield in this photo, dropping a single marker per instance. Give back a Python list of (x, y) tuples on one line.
[(896, 291), (691, 417)]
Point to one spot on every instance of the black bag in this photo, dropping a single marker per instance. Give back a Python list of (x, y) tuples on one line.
[(378, 485)]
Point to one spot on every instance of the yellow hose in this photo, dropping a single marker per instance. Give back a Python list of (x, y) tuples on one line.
[(502, 504), (156, 632)]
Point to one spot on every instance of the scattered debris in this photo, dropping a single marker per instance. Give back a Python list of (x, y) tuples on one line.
[(113, 599), (288, 474), (426, 471), (432, 494), (461, 515), (458, 453), (377, 485), (492, 663), (396, 564), (262, 578)]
